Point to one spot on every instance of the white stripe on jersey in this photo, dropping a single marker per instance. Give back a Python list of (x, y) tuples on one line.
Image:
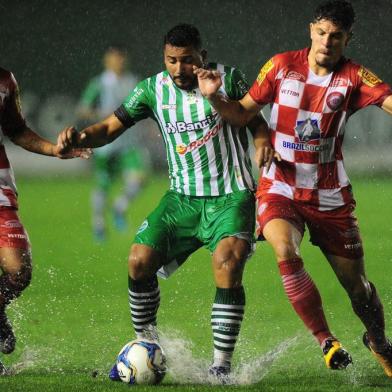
[(165, 136), (195, 153)]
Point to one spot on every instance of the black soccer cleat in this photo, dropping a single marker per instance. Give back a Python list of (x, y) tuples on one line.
[(7, 337), (384, 357), (221, 373), (335, 356)]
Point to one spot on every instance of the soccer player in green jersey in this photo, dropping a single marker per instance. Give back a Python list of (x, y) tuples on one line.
[(124, 158), (210, 201)]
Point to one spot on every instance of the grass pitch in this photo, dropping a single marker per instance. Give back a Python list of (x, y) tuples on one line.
[(74, 317)]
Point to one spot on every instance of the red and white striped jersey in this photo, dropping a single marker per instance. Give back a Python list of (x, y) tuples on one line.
[(308, 117), (11, 119)]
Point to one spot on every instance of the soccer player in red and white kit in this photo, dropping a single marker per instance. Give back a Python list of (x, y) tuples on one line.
[(312, 93), (15, 254)]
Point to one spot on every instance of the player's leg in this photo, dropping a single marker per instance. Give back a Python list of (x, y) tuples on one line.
[(133, 170), (366, 305), (165, 238), (16, 268), (283, 226), (227, 230), (99, 195)]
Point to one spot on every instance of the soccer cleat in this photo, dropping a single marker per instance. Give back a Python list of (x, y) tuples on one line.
[(221, 373), (335, 356), (7, 337), (384, 357), (113, 374)]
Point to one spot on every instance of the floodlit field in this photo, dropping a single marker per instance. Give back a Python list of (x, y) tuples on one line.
[(74, 318)]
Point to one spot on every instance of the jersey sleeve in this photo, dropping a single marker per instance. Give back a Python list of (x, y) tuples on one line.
[(90, 94), (12, 119), (136, 106), (262, 90), (370, 90), (236, 84)]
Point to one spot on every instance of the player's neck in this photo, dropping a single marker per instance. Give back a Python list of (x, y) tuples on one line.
[(316, 68)]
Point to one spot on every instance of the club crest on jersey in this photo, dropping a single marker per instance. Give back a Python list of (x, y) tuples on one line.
[(335, 100), (368, 77), (307, 130), (264, 71), (191, 97), (183, 149)]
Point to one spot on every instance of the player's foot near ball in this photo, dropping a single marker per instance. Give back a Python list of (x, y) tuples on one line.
[(335, 356), (7, 337), (383, 355), (220, 373)]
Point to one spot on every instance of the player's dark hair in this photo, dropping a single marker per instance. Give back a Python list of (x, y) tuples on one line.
[(116, 47), (183, 35), (340, 12)]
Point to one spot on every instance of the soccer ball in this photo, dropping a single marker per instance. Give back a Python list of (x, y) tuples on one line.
[(141, 362)]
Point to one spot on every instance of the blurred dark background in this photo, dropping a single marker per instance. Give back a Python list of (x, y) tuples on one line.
[(54, 47)]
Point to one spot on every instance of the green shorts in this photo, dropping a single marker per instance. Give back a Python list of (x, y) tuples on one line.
[(182, 224), (108, 167)]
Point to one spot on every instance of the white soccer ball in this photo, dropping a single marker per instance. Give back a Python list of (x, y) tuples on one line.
[(141, 362)]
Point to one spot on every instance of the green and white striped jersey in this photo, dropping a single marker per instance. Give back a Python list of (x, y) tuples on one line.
[(206, 155)]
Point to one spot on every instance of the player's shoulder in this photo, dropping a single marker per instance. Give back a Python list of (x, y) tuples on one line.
[(359, 72), (224, 68), (291, 56)]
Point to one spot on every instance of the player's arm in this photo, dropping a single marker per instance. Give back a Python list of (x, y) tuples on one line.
[(264, 152), (96, 135), (387, 105), (31, 141), (237, 113)]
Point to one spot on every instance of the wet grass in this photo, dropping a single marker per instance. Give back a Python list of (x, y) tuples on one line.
[(74, 317)]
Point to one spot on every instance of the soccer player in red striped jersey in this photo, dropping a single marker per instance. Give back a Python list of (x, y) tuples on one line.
[(312, 93), (15, 255)]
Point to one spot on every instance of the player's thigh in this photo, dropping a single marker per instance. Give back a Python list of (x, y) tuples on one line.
[(232, 215), (15, 261), (336, 232), (171, 229), (281, 224)]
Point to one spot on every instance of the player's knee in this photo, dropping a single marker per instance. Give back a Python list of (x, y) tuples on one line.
[(285, 249), (140, 265), (231, 261)]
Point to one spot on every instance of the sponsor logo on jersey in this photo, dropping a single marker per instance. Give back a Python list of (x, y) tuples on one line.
[(172, 106), (137, 92), (295, 76), (242, 86), (353, 246), (307, 131), (339, 82), (368, 77), (335, 100), (182, 126), (264, 71), (11, 224), (18, 236), (183, 149), (289, 92)]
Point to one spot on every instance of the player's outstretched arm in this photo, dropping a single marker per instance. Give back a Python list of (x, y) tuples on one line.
[(264, 152), (96, 135), (237, 113), (31, 141), (387, 105)]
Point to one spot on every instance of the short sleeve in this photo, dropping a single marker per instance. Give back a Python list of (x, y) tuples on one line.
[(236, 84), (370, 90), (136, 106), (12, 119), (262, 90)]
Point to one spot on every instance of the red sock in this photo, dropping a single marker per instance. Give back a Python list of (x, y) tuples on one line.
[(304, 297)]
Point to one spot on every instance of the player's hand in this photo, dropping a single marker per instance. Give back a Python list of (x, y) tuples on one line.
[(265, 154), (69, 143), (209, 81)]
